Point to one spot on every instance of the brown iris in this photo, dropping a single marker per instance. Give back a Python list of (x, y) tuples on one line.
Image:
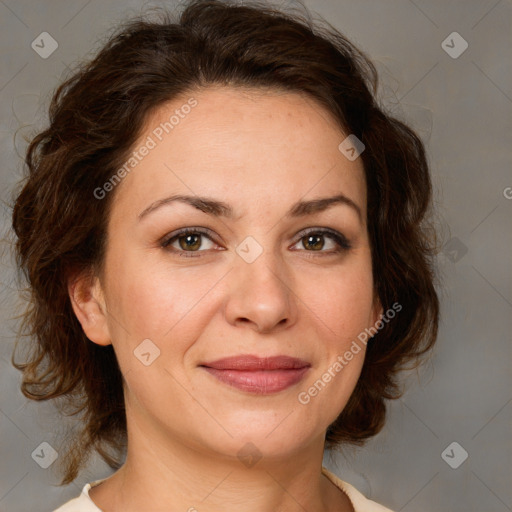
[(315, 245), (192, 242)]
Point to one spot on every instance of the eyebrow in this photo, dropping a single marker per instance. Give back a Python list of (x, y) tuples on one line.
[(221, 209)]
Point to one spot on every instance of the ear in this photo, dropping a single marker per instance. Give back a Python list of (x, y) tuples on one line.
[(87, 300)]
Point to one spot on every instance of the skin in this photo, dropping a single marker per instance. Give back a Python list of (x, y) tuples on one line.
[(260, 152)]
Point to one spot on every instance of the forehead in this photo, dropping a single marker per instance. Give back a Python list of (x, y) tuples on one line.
[(241, 144)]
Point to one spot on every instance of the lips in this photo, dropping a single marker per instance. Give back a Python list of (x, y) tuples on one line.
[(258, 375), (249, 363)]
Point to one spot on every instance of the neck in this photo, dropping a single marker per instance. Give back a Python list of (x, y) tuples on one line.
[(162, 472)]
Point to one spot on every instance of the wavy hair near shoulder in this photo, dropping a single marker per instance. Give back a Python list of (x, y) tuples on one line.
[(96, 116)]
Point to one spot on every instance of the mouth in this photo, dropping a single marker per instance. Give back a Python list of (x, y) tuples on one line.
[(258, 375)]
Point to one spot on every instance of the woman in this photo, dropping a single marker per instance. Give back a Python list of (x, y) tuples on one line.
[(225, 238)]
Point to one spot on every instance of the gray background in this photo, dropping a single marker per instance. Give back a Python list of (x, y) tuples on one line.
[(461, 107)]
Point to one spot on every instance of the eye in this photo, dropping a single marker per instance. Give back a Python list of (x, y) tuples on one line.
[(188, 240), (314, 241)]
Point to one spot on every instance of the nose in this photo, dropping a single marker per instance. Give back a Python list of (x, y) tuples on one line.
[(261, 295)]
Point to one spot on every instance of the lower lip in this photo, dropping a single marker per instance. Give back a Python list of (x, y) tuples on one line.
[(261, 382)]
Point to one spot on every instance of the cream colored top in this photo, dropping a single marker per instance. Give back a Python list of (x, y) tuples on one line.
[(83, 503)]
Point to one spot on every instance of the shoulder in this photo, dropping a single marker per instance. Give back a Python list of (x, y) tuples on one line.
[(82, 503), (360, 502)]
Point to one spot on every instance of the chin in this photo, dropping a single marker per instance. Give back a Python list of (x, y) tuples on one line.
[(273, 440)]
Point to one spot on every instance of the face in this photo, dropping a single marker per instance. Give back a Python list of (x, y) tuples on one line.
[(262, 271)]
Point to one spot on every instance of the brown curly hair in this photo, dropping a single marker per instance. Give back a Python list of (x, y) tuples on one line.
[(95, 118)]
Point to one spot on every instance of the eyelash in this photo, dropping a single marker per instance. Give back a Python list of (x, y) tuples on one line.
[(342, 242)]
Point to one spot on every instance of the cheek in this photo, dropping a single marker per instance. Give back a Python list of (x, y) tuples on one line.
[(342, 311), (157, 302), (342, 300)]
